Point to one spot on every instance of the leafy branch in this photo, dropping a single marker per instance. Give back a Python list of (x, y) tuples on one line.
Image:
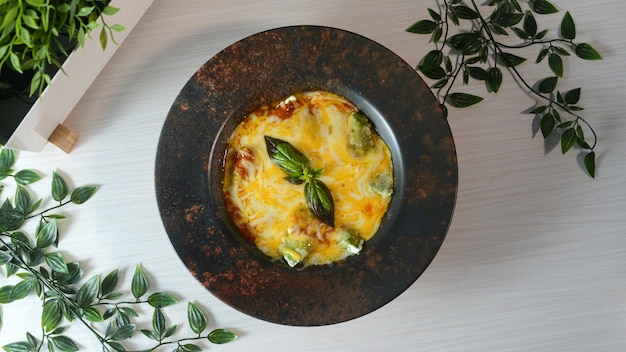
[(479, 53), (39, 268), (37, 34)]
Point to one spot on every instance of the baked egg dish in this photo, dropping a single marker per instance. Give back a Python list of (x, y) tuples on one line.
[(307, 179)]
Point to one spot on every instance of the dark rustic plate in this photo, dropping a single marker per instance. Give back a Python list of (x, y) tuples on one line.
[(261, 69)]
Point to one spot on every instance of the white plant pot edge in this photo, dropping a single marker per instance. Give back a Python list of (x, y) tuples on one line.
[(66, 89)]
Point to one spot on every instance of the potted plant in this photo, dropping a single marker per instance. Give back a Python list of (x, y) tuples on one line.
[(37, 40)]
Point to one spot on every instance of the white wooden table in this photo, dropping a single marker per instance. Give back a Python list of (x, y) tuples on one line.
[(534, 260)]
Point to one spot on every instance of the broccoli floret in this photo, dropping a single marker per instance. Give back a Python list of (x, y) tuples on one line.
[(383, 184), (361, 137)]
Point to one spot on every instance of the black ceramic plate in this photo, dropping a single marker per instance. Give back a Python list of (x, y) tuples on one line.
[(269, 66)]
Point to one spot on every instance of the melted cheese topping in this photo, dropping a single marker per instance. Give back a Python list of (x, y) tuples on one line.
[(273, 213)]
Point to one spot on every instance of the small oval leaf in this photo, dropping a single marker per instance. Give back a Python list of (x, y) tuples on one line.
[(568, 29), (587, 52), (462, 100), (547, 85)]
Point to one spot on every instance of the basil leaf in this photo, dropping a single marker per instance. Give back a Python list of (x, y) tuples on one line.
[(287, 157), (320, 201)]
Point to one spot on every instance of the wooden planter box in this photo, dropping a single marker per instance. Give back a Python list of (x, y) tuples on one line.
[(61, 96)]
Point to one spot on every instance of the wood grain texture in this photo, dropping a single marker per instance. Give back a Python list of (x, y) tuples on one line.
[(533, 261)]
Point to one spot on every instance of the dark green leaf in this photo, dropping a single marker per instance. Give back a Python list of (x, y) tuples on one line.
[(520, 33), (22, 199), (170, 331), (542, 54), (568, 29), (56, 262), (530, 24), (22, 289), (548, 122), (25, 177), (161, 300), (149, 334), (20, 346), (10, 218), (139, 284), (5, 294), (543, 7), (4, 257), (196, 317), (7, 160), (539, 109), (434, 15), (495, 79), (46, 235), (478, 73), (560, 51), (422, 27), (510, 60), (590, 163), (435, 73), (82, 194), (547, 85), (440, 84), (109, 283), (92, 314), (320, 201), (587, 52), (462, 100), (507, 19), (123, 332), (572, 96), (116, 346), (158, 323), (220, 336), (189, 347), (556, 64), (59, 187), (64, 344), (432, 60), (437, 34), (568, 139), (88, 292), (287, 157), (51, 315), (464, 12)]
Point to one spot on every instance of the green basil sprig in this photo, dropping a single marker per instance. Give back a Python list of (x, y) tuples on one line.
[(298, 169)]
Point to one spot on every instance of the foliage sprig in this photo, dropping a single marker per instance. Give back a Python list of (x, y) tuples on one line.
[(469, 45), (37, 35), (66, 296)]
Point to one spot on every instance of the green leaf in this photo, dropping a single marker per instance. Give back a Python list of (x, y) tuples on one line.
[(590, 163), (56, 262), (220, 336), (116, 346), (510, 60), (161, 300), (320, 201), (434, 15), (556, 64), (422, 27), (568, 29), (104, 38), (587, 52), (542, 54), (543, 7), (572, 96), (478, 73), (22, 199), (158, 323), (7, 160), (547, 85), (464, 12), (108, 284), (123, 332), (51, 315), (5, 294), (530, 24), (22, 289), (59, 187), (92, 314), (495, 79), (435, 73), (139, 284), (4, 257), (568, 139), (110, 10), (432, 60), (85, 11), (82, 194), (64, 344), (548, 122), (47, 234), (287, 157), (88, 292), (149, 334), (197, 318), (20, 346), (189, 347), (118, 28), (462, 100), (25, 177)]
